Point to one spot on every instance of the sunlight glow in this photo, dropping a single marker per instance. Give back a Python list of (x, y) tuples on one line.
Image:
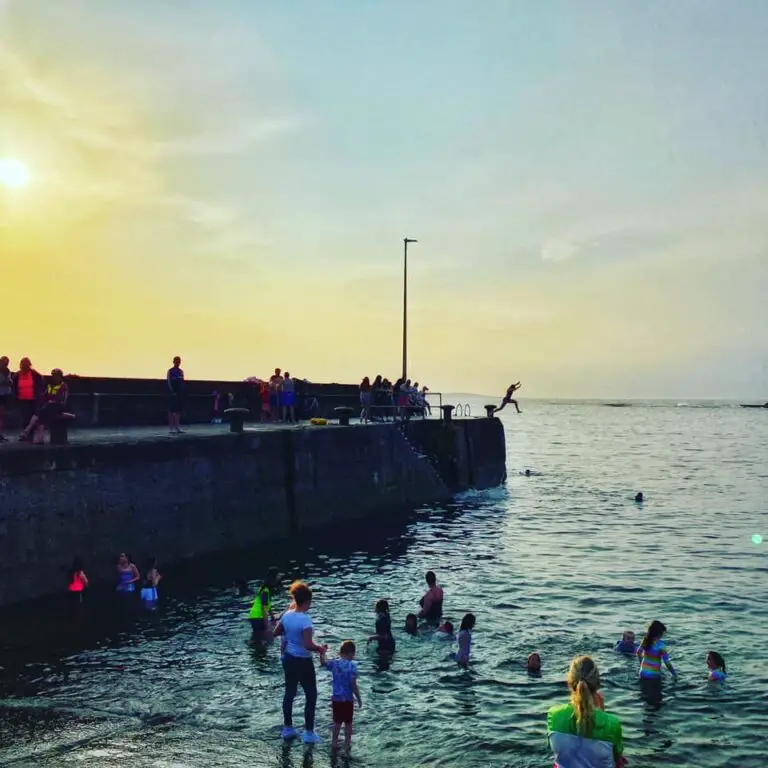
[(13, 173)]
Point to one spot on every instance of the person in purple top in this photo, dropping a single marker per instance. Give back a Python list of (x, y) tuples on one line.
[(175, 379)]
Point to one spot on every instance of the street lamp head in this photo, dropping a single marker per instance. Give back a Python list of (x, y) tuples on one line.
[(409, 240)]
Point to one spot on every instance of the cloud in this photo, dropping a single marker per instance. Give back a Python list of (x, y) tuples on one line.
[(558, 250)]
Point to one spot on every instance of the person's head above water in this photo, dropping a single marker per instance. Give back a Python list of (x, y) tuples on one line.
[(411, 624), (655, 632), (639, 497), (272, 578), (431, 578), (715, 661), (628, 638), (123, 560), (534, 662), (584, 681), (446, 627), (382, 606), (527, 472)]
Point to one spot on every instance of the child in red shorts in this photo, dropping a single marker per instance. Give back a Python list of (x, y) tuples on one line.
[(345, 690)]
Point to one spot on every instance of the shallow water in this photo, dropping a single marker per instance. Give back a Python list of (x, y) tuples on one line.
[(560, 562)]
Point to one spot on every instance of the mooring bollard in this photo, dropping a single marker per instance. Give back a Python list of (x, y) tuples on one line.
[(489, 410), (448, 411), (343, 413), (236, 418)]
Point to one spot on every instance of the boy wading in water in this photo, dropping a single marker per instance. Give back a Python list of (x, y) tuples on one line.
[(345, 690)]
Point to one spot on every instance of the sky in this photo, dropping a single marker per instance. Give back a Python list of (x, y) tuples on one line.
[(231, 182)]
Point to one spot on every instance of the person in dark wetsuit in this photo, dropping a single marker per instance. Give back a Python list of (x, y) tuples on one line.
[(511, 389), (432, 602), (383, 634)]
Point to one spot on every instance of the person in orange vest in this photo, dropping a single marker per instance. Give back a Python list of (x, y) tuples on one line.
[(29, 388)]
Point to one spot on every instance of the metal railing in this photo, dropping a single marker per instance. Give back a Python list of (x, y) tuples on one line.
[(305, 404)]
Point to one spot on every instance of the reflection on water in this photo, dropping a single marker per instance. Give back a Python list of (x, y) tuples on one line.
[(559, 563)]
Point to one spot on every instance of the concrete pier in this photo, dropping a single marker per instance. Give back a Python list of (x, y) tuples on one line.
[(148, 493)]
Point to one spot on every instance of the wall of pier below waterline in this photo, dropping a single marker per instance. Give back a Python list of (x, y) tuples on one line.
[(192, 495)]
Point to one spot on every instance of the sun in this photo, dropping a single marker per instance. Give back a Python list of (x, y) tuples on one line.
[(13, 173)]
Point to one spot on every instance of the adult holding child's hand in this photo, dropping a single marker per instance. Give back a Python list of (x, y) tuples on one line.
[(298, 665)]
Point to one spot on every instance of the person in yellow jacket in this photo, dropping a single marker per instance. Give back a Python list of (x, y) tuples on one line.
[(261, 614)]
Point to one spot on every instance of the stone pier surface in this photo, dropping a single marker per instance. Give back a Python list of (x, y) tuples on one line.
[(143, 491)]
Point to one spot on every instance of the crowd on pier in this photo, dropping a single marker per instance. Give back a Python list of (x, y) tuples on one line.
[(382, 400)]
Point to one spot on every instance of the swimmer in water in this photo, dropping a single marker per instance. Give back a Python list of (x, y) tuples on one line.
[(261, 615), (412, 624), (445, 630), (383, 635), (639, 499), (465, 640), (432, 602), (511, 389), (149, 596), (627, 643), (652, 652), (716, 666), (533, 664)]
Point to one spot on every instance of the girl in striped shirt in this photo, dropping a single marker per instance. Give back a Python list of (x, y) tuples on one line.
[(652, 652)]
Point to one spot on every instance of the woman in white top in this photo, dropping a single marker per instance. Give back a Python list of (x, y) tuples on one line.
[(298, 665)]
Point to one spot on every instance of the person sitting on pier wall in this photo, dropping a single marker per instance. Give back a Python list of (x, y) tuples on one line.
[(175, 379), (54, 400), (511, 389), (29, 388), (6, 391)]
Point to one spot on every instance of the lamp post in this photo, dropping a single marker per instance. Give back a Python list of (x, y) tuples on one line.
[(406, 240)]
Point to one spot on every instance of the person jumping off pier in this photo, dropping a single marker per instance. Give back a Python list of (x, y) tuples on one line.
[(508, 398)]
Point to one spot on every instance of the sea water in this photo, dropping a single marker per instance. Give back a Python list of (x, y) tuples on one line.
[(560, 562)]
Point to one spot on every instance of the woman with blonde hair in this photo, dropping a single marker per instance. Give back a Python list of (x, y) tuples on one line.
[(581, 734)]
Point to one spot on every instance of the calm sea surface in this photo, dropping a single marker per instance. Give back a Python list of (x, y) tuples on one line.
[(560, 562)]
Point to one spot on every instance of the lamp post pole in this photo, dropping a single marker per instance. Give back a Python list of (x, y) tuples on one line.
[(406, 240)]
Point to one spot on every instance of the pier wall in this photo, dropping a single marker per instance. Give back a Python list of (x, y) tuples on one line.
[(179, 498)]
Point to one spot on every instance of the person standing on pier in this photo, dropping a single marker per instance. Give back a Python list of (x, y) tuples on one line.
[(288, 399), (28, 386), (175, 381), (6, 390), (275, 390)]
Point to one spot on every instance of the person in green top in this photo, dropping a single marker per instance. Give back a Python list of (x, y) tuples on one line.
[(261, 614), (581, 734)]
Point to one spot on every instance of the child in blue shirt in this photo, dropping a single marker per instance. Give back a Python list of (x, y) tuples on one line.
[(627, 643), (345, 690)]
